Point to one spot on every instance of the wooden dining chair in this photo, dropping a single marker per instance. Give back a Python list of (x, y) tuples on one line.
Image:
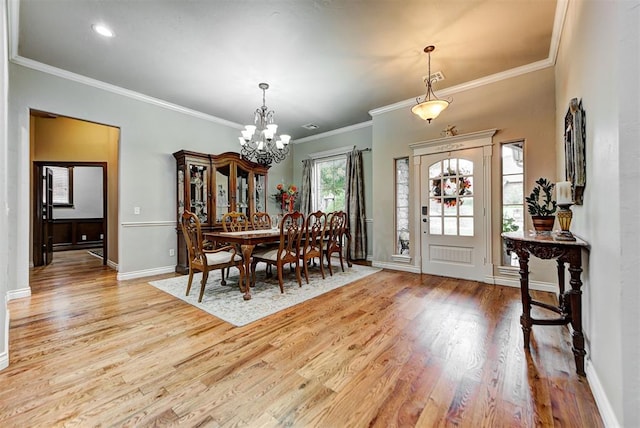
[(313, 242), (336, 229), (234, 222), (260, 220), (205, 260), (287, 252)]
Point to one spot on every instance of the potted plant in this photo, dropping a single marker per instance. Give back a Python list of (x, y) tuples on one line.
[(541, 205)]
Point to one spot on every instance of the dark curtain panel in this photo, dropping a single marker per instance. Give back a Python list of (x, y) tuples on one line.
[(355, 205), (305, 190)]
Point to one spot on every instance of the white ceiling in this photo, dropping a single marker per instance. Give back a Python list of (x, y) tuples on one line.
[(329, 62)]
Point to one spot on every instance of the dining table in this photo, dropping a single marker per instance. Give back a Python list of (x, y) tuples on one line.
[(247, 241)]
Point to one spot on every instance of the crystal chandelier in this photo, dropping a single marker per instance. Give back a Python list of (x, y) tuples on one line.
[(259, 142), (431, 106)]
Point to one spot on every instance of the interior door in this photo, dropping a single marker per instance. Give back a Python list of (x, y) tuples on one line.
[(451, 214), (47, 221)]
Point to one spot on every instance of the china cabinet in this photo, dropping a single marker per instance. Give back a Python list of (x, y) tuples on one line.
[(213, 185)]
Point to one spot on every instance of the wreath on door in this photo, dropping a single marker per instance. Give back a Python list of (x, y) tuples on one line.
[(449, 186)]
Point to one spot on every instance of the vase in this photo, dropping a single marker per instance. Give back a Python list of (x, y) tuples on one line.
[(543, 224), (290, 205)]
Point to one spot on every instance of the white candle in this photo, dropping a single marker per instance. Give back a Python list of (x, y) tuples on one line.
[(563, 193)]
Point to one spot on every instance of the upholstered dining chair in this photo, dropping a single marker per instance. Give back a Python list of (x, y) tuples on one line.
[(287, 252), (312, 243), (336, 230), (204, 260)]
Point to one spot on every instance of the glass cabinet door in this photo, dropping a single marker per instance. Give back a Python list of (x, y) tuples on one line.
[(260, 191), (223, 194), (198, 187), (242, 190)]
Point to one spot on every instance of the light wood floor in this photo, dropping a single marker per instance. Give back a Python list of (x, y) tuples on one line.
[(393, 349)]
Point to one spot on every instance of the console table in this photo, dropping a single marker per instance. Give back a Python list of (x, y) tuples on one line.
[(569, 301)]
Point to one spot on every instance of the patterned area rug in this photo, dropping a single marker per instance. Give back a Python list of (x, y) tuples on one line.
[(226, 303)]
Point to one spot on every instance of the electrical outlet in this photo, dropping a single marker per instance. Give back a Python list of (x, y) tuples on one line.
[(101, 236), (136, 210), (84, 237), (172, 252)]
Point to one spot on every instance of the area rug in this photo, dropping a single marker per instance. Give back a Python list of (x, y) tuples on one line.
[(226, 302)]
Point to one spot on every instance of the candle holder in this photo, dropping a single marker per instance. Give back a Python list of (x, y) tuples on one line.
[(564, 219)]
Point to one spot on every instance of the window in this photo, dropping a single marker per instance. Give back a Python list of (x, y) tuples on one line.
[(512, 193), (329, 178), (451, 197), (62, 185), (402, 205)]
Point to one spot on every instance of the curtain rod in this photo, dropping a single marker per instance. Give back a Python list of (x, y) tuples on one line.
[(335, 152)]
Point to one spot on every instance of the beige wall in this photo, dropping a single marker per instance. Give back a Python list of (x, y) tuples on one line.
[(598, 62), (521, 107), (69, 140)]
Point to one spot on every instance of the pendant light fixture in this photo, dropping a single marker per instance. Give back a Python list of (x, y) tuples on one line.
[(431, 106), (259, 142)]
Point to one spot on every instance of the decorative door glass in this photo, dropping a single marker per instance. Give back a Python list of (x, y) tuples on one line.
[(198, 185), (259, 188), (451, 197), (242, 190), (222, 191)]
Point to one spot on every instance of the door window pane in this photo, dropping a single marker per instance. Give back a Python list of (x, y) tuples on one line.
[(451, 198)]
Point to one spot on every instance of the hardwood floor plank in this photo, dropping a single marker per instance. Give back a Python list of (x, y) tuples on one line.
[(394, 349)]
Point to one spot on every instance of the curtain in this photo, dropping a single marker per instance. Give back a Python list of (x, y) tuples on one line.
[(354, 197), (305, 189)]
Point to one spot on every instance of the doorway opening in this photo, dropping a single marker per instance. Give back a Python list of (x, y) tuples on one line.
[(74, 199)]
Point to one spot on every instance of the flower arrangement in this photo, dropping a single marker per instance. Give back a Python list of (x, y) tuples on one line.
[(449, 185), (286, 196)]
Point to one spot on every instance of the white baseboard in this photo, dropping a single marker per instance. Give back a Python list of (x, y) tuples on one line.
[(4, 355), (396, 266), (602, 401), (112, 265), (145, 272), (17, 294), (515, 282)]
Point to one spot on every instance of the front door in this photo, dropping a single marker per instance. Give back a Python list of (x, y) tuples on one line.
[(452, 223)]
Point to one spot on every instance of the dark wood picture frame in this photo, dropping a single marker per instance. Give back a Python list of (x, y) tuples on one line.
[(574, 149)]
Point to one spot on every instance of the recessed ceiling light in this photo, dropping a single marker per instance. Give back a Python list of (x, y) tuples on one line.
[(102, 30)]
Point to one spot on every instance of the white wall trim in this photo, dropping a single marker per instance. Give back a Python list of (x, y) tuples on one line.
[(515, 282), (161, 223), (35, 65), (334, 132), (396, 266), (602, 401), (469, 140), (18, 294), (146, 272), (4, 355), (401, 258)]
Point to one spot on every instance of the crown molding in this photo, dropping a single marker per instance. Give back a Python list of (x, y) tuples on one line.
[(550, 61), (518, 71), (35, 65), (334, 132)]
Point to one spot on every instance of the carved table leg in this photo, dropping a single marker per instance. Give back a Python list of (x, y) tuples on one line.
[(247, 250), (575, 297), (525, 318)]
